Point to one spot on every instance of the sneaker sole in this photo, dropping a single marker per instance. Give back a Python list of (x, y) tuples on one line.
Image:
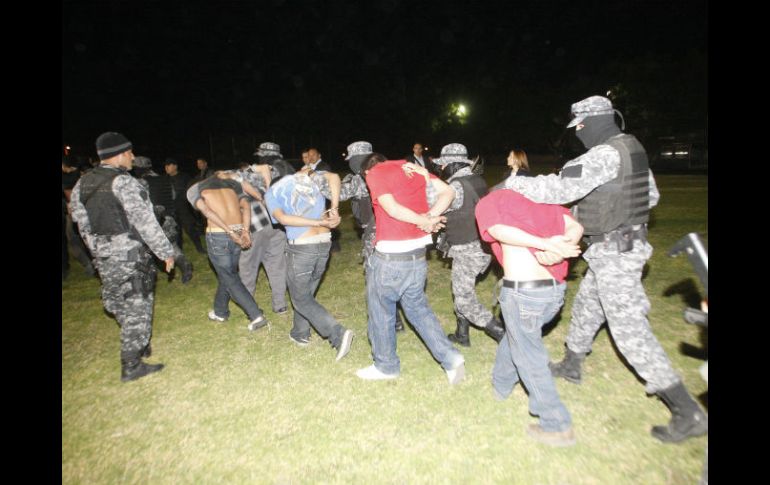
[(253, 327), (347, 340), (300, 343)]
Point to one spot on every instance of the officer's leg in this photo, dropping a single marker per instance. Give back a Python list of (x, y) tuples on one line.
[(619, 280), (127, 293), (587, 315)]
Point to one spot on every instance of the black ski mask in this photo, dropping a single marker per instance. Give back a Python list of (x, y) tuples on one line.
[(452, 168), (597, 129)]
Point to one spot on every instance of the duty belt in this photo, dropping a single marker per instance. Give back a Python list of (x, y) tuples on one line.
[(622, 233)]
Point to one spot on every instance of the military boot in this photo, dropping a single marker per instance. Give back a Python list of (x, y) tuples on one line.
[(461, 336), (687, 418), (133, 368), (186, 266), (569, 368), (495, 329), (147, 352)]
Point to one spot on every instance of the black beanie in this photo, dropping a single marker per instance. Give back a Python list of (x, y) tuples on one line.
[(111, 144)]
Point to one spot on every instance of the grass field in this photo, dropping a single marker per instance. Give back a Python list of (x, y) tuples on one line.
[(239, 407)]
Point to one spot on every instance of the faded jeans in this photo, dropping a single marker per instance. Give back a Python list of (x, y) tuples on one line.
[(387, 283), (224, 254), (305, 265), (522, 354)]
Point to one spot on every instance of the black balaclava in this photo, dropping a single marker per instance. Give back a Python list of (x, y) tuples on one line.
[(452, 168), (141, 171), (597, 130), (356, 162)]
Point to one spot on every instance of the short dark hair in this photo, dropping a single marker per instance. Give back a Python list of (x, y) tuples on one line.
[(372, 160)]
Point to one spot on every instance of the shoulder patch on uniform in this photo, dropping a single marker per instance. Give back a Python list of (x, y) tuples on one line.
[(572, 172)]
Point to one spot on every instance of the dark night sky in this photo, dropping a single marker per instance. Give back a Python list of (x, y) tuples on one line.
[(169, 75)]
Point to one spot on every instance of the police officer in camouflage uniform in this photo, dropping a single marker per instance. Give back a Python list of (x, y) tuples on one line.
[(462, 237), (614, 190), (117, 222), (161, 196), (354, 189)]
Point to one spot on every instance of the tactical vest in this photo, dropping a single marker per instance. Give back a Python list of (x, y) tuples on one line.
[(105, 212), (363, 212), (625, 200), (461, 223), (161, 193)]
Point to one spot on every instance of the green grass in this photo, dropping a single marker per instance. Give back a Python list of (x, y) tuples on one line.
[(239, 407)]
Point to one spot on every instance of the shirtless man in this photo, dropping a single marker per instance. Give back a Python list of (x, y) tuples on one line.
[(532, 242), (221, 199)]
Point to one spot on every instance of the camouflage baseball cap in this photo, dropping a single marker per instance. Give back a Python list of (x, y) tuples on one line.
[(359, 148), (142, 162), (454, 152), (591, 106), (268, 148)]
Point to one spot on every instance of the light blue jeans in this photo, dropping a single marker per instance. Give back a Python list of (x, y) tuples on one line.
[(522, 354), (388, 282)]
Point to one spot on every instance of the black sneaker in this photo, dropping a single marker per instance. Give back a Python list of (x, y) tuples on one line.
[(344, 347), (258, 323), (301, 341)]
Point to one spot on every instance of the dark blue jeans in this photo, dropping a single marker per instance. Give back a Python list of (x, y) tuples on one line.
[(305, 265), (387, 283), (224, 255), (522, 354)]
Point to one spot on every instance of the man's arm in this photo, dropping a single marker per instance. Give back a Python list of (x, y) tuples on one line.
[(576, 180), (444, 197), (334, 187), (573, 231), (514, 236), (135, 202), (80, 217), (245, 206), (397, 211), (352, 187), (251, 190), (299, 221)]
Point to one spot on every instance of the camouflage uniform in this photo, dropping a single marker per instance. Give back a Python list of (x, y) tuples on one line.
[(354, 188), (165, 218), (612, 287), (468, 262), (123, 261)]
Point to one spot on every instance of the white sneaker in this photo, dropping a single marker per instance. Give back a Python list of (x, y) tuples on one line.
[(371, 373), (456, 375), (347, 338), (213, 316)]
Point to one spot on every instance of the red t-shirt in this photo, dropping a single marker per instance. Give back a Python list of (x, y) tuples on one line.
[(389, 178), (513, 209)]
